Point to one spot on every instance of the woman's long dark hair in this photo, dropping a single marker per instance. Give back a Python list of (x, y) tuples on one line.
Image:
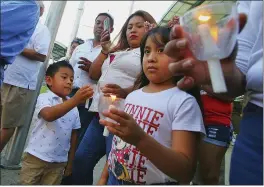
[(161, 36), (122, 43)]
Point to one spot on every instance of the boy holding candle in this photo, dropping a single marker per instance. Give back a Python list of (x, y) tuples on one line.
[(52, 144)]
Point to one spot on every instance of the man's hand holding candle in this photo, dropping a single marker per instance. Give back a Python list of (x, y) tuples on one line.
[(195, 72)]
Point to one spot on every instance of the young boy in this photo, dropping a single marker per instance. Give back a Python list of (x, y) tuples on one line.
[(52, 143)]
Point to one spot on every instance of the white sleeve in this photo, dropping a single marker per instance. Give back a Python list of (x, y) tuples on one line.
[(72, 60), (42, 41), (77, 123), (243, 6), (187, 116), (43, 101), (246, 39)]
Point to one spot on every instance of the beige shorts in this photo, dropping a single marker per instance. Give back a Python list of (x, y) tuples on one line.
[(35, 171), (14, 101)]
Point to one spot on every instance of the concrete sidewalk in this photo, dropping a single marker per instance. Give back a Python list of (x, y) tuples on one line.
[(11, 177)]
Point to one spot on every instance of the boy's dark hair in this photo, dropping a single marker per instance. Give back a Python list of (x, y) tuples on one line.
[(160, 36), (54, 68), (107, 15)]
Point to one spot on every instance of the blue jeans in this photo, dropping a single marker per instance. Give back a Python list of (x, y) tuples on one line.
[(1, 74), (247, 157), (91, 149)]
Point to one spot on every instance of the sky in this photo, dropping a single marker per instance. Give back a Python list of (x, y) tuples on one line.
[(118, 9)]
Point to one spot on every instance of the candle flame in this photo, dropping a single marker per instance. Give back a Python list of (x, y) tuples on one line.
[(214, 33), (204, 18), (113, 97)]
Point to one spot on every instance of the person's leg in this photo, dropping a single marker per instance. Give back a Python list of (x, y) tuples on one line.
[(212, 150), (53, 174), (210, 160), (108, 142), (247, 157), (32, 170), (85, 117), (5, 134), (13, 99), (90, 151)]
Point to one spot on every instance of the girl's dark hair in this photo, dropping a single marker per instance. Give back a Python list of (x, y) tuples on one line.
[(54, 68), (122, 43), (160, 36)]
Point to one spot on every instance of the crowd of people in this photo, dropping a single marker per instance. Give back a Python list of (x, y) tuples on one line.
[(173, 124)]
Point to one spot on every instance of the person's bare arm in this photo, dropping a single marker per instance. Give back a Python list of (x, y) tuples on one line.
[(95, 68), (52, 113), (129, 89), (222, 96), (196, 72), (71, 154), (234, 78), (33, 55), (104, 176), (55, 112), (177, 161), (180, 159), (117, 90)]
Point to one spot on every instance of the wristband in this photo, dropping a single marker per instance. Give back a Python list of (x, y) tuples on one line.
[(106, 54)]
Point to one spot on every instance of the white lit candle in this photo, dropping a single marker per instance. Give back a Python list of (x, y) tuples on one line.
[(113, 98), (87, 103), (208, 39)]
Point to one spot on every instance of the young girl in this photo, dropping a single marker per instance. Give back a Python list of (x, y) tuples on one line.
[(156, 137)]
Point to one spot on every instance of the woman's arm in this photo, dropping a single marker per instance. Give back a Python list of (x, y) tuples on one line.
[(222, 96), (95, 68), (117, 90), (178, 162)]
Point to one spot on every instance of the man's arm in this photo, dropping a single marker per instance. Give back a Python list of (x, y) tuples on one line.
[(33, 55)]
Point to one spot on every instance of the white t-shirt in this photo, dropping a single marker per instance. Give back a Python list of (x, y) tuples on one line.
[(24, 72), (86, 50), (50, 141), (122, 70), (158, 114), (250, 50)]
